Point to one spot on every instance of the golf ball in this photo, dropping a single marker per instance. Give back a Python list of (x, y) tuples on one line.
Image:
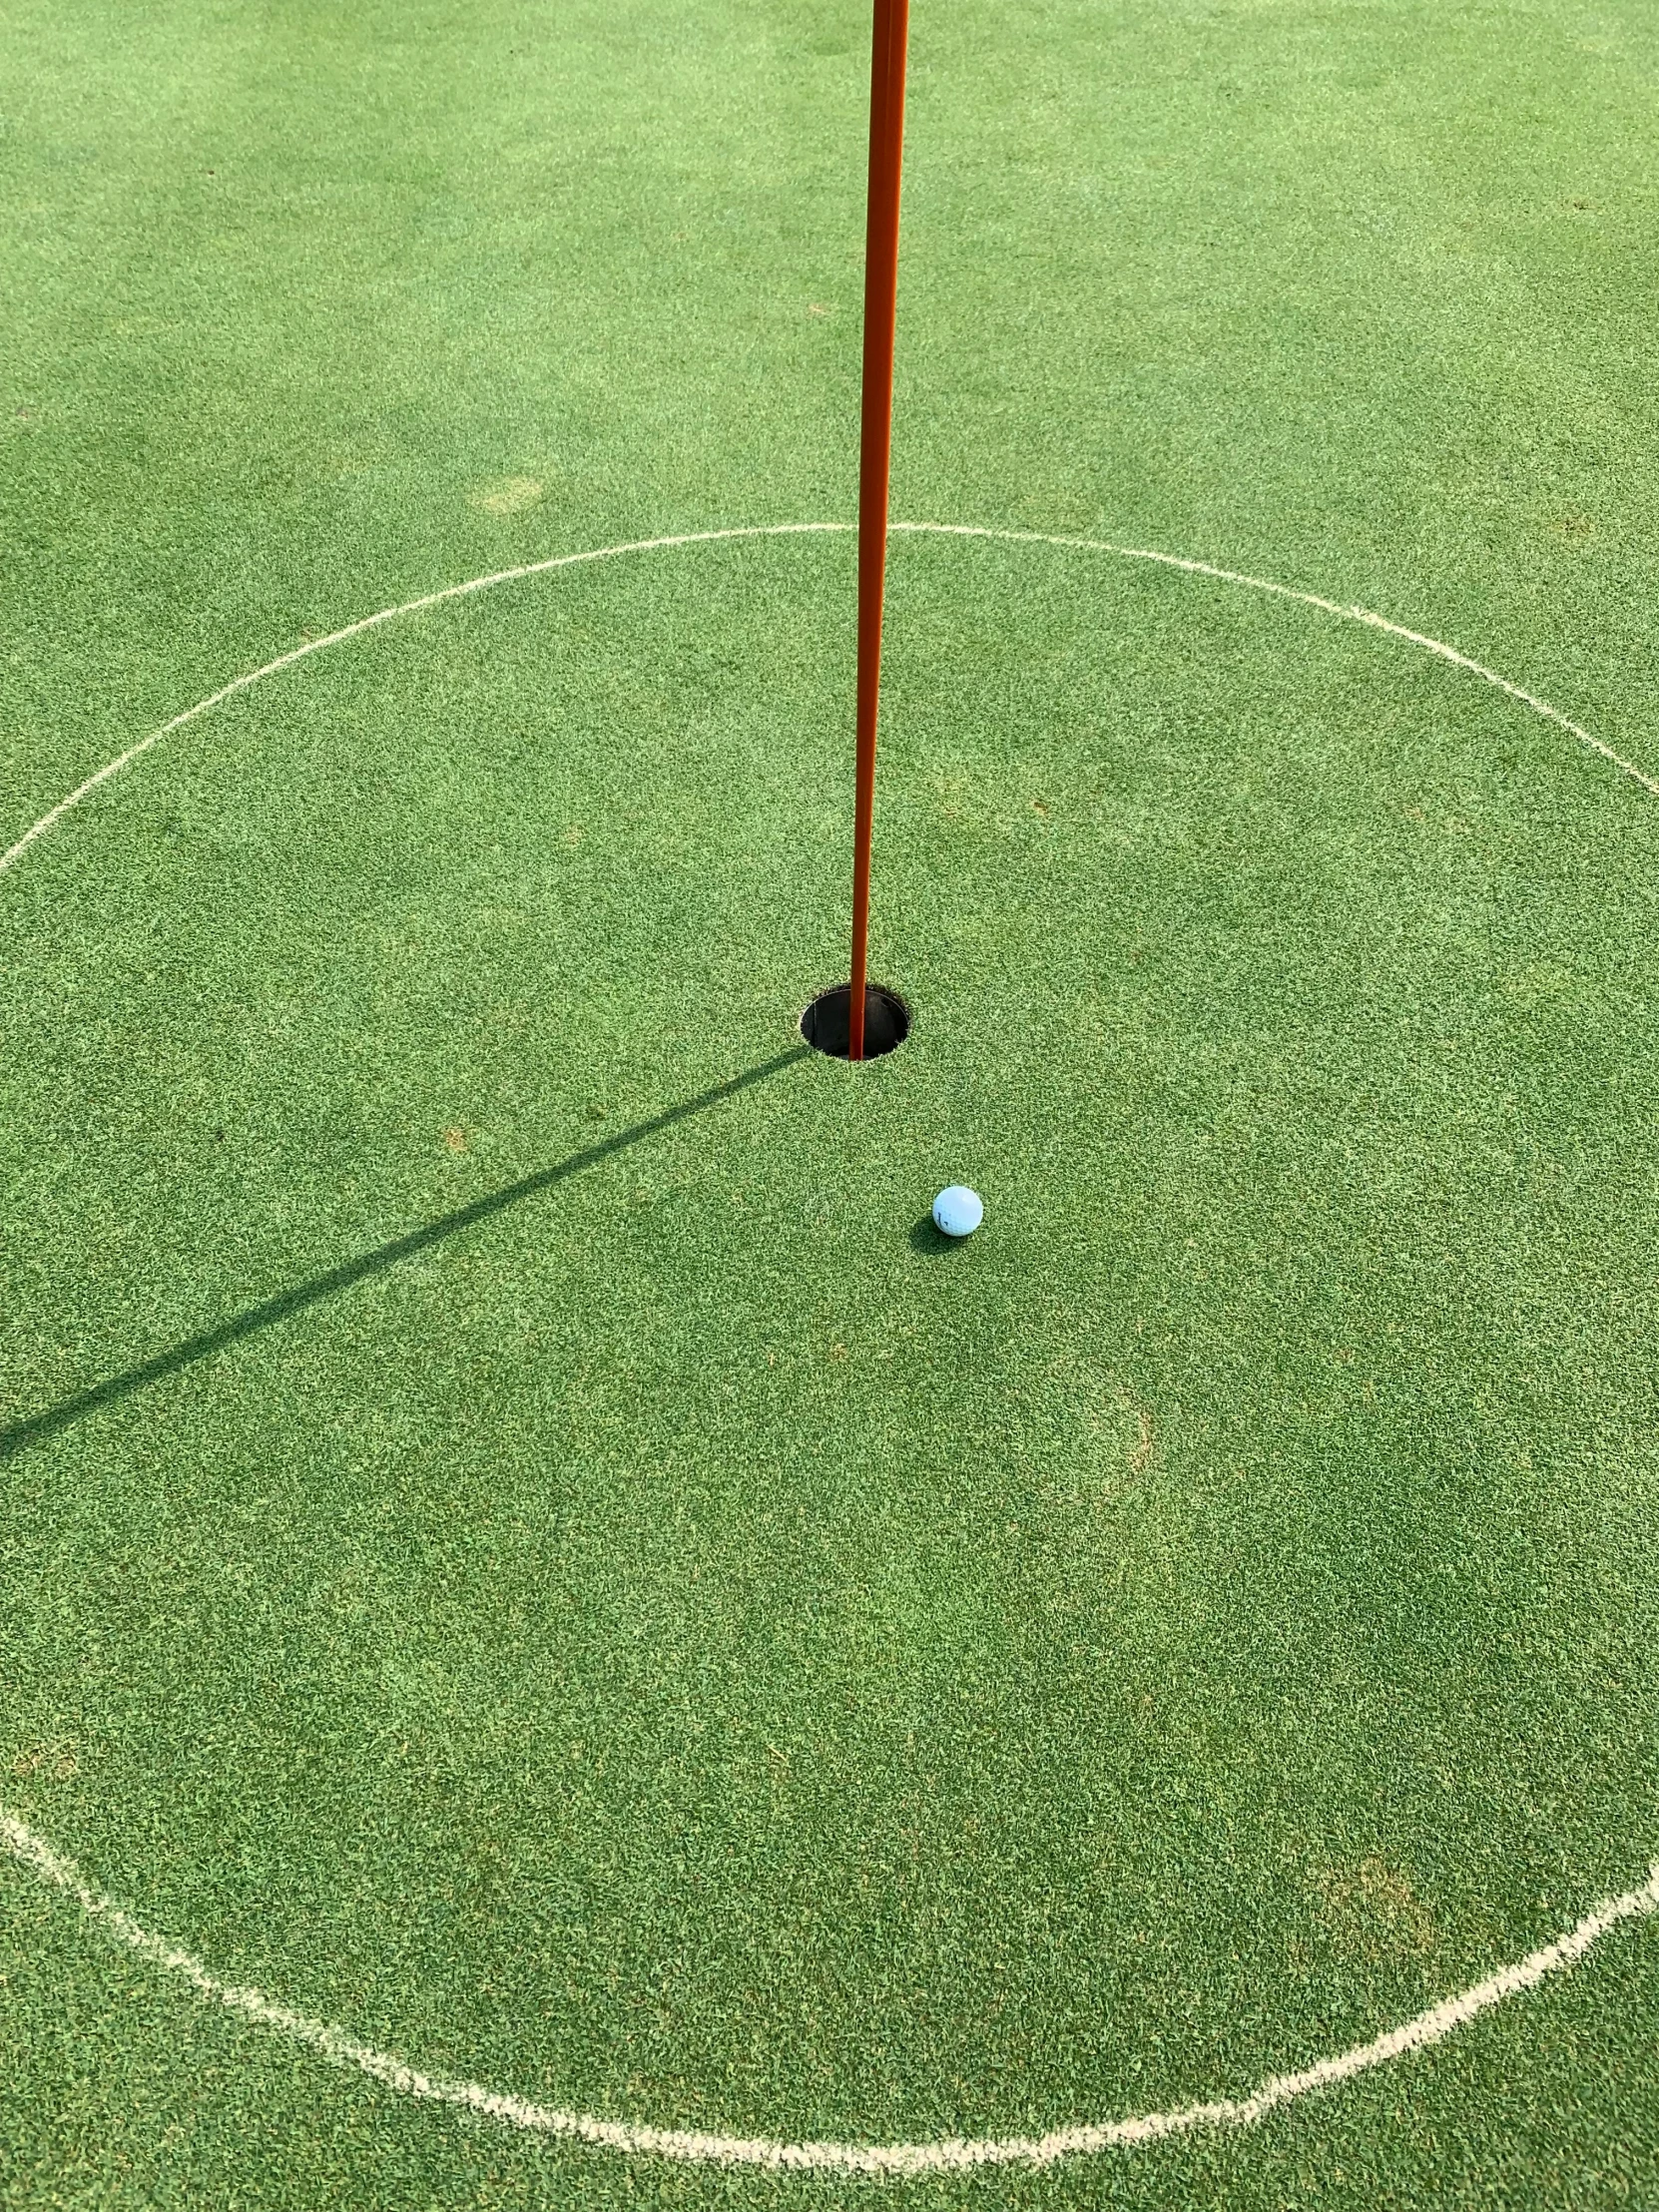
[(958, 1211)]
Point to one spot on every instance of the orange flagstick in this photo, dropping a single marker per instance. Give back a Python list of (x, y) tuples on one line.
[(886, 149)]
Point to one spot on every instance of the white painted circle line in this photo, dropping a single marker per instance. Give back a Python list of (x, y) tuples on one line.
[(53, 815), (878, 2161)]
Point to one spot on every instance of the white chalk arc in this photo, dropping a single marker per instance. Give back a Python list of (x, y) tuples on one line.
[(875, 2161), (111, 769), (882, 2161)]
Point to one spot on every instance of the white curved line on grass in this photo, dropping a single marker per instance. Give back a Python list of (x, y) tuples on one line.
[(1304, 598), (55, 814), (876, 2160), (879, 2161)]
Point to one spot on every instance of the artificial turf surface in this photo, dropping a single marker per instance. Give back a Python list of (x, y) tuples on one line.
[(518, 1541)]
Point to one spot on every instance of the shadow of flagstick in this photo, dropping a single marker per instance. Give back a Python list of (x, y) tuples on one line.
[(20, 1435)]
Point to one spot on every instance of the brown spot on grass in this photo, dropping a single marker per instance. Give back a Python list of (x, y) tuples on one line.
[(1106, 1432), (455, 1139), (1370, 1910), (53, 1762), (1576, 528), (1146, 1438), (507, 495)]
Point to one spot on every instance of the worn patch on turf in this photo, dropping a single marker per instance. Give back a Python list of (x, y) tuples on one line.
[(507, 495)]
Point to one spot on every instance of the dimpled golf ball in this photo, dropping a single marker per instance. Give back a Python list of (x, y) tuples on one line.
[(957, 1211)]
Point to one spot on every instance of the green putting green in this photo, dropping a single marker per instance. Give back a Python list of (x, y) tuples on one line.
[(521, 1543)]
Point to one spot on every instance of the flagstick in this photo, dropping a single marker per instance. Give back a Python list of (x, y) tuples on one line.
[(886, 142)]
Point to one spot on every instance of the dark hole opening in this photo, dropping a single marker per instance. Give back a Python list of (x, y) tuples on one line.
[(826, 1022)]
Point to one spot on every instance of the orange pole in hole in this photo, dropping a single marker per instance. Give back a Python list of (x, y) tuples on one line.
[(886, 149)]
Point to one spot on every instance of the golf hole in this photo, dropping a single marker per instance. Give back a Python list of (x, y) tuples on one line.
[(824, 1024)]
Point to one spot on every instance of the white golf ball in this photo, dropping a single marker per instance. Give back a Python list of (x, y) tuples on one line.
[(958, 1211)]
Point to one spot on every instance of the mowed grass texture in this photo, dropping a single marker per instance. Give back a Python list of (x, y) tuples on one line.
[(518, 1541)]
